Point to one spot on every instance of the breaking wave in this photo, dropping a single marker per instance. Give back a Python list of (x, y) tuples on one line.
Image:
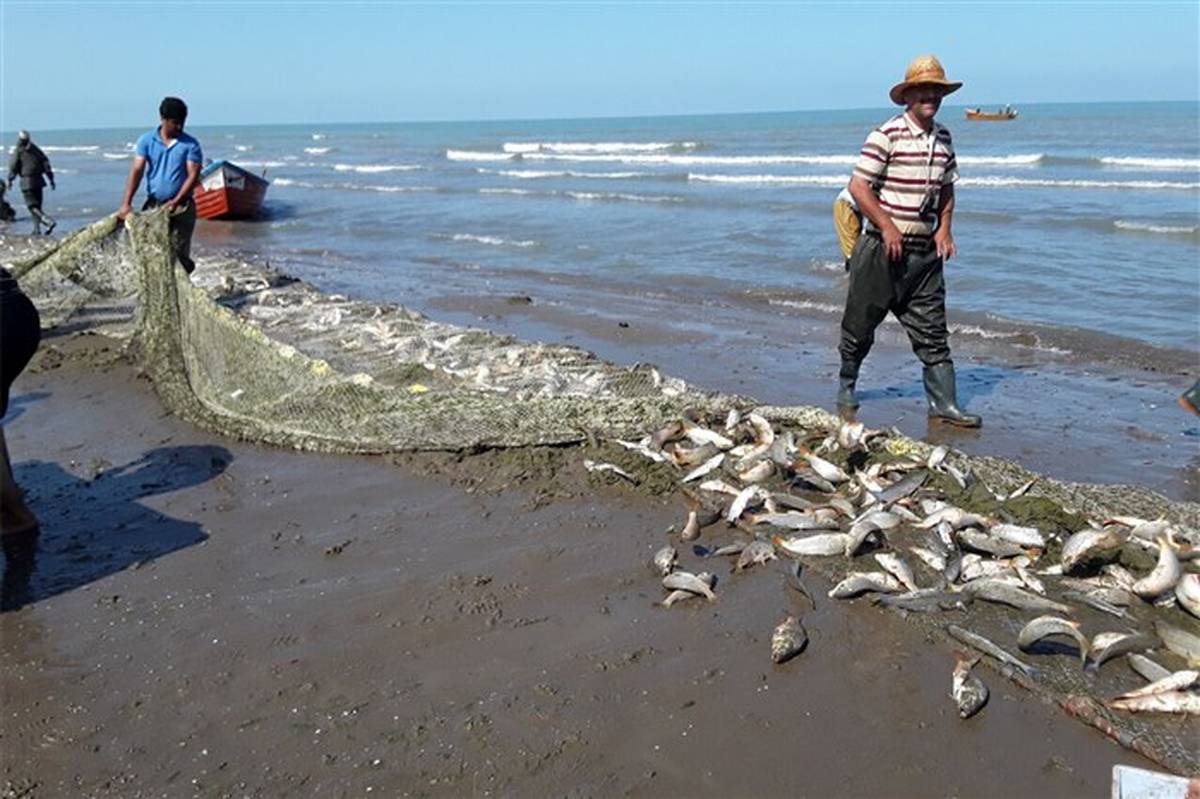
[(588, 196), (471, 155), (997, 181), (1152, 163), (495, 241), (317, 150), (116, 156), (371, 169), (597, 147), (532, 174), (1145, 227), (304, 184), (785, 180), (65, 148)]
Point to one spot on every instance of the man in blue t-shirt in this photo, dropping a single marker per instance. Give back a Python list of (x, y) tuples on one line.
[(170, 160)]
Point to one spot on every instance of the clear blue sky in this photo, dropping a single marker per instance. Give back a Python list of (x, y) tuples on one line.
[(107, 64)]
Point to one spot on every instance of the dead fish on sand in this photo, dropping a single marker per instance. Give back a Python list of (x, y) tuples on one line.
[(1027, 537), (788, 640), (1107, 646), (1096, 603), (991, 590), (824, 468), (967, 690), (1181, 642), (742, 501), (665, 560), (691, 530), (1187, 591), (695, 583), (859, 583), (676, 597), (760, 471), (1179, 681), (704, 468), (821, 544), (988, 544), (1163, 577), (901, 488), (643, 450), (895, 566), (1146, 668), (1142, 528), (756, 552), (1045, 626), (923, 600), (1185, 702), (985, 646), (702, 435), (1090, 546), (797, 520), (593, 466)]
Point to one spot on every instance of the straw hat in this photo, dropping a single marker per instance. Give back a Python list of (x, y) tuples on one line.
[(924, 70)]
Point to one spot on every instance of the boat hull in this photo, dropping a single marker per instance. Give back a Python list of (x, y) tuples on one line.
[(226, 191), (983, 116)]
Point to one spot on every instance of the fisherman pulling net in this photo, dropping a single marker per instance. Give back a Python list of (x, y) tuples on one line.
[(968, 547)]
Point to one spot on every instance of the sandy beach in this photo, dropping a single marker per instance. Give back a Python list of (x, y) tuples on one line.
[(218, 619)]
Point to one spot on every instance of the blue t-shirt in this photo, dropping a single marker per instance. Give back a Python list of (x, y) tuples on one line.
[(166, 167)]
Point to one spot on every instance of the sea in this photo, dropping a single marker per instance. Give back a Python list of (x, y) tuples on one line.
[(1077, 225)]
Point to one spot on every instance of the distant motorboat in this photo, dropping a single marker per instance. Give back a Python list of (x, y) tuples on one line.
[(979, 115)]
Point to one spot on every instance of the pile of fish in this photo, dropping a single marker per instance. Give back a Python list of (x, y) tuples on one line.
[(848, 496)]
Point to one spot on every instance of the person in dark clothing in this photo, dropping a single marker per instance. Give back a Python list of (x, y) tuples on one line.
[(33, 167), (20, 333), (7, 212), (903, 183), (170, 160)]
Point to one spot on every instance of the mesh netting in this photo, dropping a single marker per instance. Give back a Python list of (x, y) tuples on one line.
[(252, 354)]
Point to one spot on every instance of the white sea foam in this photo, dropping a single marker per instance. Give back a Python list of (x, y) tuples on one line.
[(596, 147), (764, 180), (243, 148), (116, 156), (590, 196), (303, 184), (807, 305), (371, 169), (693, 160), (996, 181), (1145, 227), (471, 155), (63, 148), (317, 150), (1153, 163), (266, 164), (1001, 160), (507, 191), (318, 136), (495, 241), (529, 174)]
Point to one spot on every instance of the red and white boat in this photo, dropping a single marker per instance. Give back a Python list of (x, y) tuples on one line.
[(227, 191)]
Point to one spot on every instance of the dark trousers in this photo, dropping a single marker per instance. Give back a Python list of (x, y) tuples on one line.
[(181, 224), (912, 288), (32, 197)]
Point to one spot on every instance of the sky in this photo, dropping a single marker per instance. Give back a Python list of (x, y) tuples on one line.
[(107, 64)]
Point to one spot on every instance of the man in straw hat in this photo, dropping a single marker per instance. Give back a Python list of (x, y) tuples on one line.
[(903, 183)]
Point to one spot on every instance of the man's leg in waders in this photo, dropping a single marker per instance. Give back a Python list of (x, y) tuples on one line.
[(182, 225), (868, 298)]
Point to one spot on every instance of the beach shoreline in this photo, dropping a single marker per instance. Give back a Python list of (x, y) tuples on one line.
[(224, 618)]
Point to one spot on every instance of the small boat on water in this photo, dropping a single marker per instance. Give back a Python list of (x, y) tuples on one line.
[(1004, 114), (227, 191)]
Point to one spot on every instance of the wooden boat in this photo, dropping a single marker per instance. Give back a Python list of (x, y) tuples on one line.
[(1002, 115), (227, 191)]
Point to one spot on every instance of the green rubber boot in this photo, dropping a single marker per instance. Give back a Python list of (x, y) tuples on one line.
[(942, 392)]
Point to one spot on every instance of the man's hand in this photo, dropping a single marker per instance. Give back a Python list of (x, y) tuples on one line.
[(944, 242), (52, 186), (124, 211), (170, 205), (893, 242)]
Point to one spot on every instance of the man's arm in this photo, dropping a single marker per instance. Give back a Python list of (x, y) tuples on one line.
[(131, 186), (48, 170), (943, 239), (13, 161), (868, 203), (193, 175)]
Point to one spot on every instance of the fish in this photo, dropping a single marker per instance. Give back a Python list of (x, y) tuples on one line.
[(1146, 668), (982, 542), (821, 544), (665, 560), (678, 596), (842, 506), (1027, 537), (964, 479), (593, 466), (704, 468), (791, 502), (727, 550), (988, 648), (1107, 646), (764, 436), (924, 600), (732, 420), (936, 456), (1096, 602), (1027, 577), (901, 488), (702, 435), (757, 473), (661, 437), (1045, 626), (1004, 594), (691, 530), (1142, 528), (719, 487), (858, 583), (741, 502), (882, 519), (1185, 702), (686, 458), (795, 580), (957, 518), (850, 436), (895, 565), (1163, 577), (1090, 546), (642, 449), (824, 468), (796, 521), (788, 640), (968, 691), (931, 559), (860, 534), (1181, 642), (686, 581), (816, 481), (1187, 592), (755, 552), (1178, 681), (1017, 492)]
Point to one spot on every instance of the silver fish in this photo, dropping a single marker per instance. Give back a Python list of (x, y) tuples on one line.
[(1027, 577), (850, 435), (593, 466), (742, 501), (895, 565), (816, 481), (860, 534), (1027, 537), (791, 502), (719, 487), (924, 600), (982, 542), (1164, 575), (686, 458), (858, 583), (702, 435), (824, 468), (704, 468), (936, 456), (901, 489), (760, 471), (755, 552), (1184, 702), (642, 449), (788, 640), (821, 544), (796, 521), (1143, 528), (957, 518), (686, 581), (678, 596), (1107, 646), (1187, 592), (732, 419), (691, 530), (967, 690), (1045, 626), (1179, 681), (665, 560), (727, 550), (1181, 642), (1001, 593), (988, 648), (882, 519), (1146, 668), (1090, 546), (931, 559), (1095, 602), (1017, 492)]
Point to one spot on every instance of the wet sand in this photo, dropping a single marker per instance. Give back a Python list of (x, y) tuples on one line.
[(211, 618)]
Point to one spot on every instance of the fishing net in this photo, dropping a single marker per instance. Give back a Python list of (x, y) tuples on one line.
[(252, 354)]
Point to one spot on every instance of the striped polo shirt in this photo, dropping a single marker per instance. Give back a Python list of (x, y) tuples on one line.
[(903, 162)]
